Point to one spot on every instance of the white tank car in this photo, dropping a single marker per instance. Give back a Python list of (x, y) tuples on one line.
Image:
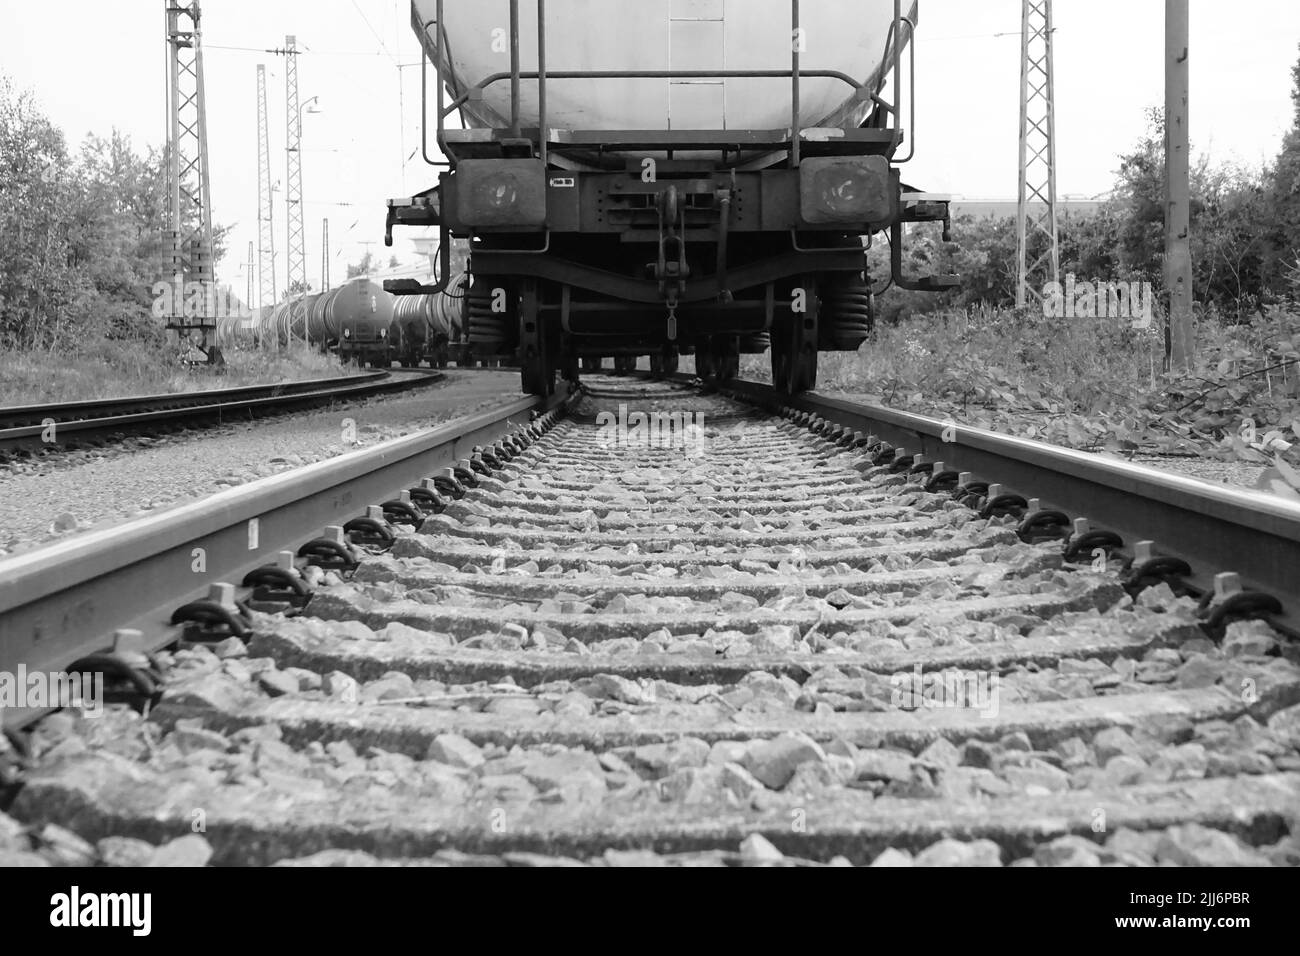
[(848, 36)]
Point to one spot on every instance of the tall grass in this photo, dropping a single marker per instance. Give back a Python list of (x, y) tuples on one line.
[(1086, 382), (987, 357)]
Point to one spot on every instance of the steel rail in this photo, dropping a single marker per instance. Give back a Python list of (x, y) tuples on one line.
[(12, 416), (63, 602), (128, 414), (1213, 528)]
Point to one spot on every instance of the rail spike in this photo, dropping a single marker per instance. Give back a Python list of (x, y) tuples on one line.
[(1081, 545), (1229, 602), (1149, 569), (331, 552), (214, 618), (371, 531), (130, 676), (278, 583)]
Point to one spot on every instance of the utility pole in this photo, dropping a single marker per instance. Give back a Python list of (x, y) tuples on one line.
[(1036, 201), (324, 255), (366, 244), (265, 216), (1178, 226), (248, 294), (189, 213), (296, 253)]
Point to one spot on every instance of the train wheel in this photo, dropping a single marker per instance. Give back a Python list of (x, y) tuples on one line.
[(536, 373), (704, 364), (780, 359), (591, 363), (670, 363), (794, 366), (794, 348), (803, 356), (726, 357), (803, 376), (657, 364)]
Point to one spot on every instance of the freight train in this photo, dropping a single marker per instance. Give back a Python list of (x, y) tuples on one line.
[(432, 327), (365, 325), (668, 177)]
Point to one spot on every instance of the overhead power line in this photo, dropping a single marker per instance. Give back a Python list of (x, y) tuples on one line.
[(971, 36), (302, 52), (373, 31)]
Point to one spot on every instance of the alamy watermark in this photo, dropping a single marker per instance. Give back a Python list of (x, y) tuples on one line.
[(973, 690), (197, 300), (684, 430), (1086, 299), (74, 909), (41, 689)]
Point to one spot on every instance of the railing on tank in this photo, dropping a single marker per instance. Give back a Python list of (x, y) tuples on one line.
[(795, 73)]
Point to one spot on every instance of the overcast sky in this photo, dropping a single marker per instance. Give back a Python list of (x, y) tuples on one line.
[(99, 64)]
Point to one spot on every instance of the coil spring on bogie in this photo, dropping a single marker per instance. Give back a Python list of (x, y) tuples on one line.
[(847, 313), (755, 344), (492, 330)]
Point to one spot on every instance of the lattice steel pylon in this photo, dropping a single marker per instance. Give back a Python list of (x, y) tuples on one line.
[(296, 266), (189, 208), (1036, 200), (265, 215)]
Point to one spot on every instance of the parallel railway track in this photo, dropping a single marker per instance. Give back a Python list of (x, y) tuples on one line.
[(769, 639), (33, 427)]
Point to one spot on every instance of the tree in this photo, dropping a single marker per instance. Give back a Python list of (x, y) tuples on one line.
[(1282, 198), (81, 239), (39, 286), (362, 268)]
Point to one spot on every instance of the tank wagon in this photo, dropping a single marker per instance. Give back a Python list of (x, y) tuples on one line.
[(363, 315), (238, 331), (356, 304), (431, 327), (285, 322), (352, 319), (669, 177)]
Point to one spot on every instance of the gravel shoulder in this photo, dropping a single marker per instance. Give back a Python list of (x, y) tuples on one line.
[(54, 498), (1240, 474)]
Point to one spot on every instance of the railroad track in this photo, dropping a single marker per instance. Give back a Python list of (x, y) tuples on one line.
[(720, 635), (30, 428)]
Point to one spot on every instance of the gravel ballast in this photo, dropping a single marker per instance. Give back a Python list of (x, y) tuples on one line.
[(51, 498)]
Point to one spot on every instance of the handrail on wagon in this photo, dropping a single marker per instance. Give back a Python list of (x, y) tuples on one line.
[(795, 73), (911, 85), (796, 41)]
